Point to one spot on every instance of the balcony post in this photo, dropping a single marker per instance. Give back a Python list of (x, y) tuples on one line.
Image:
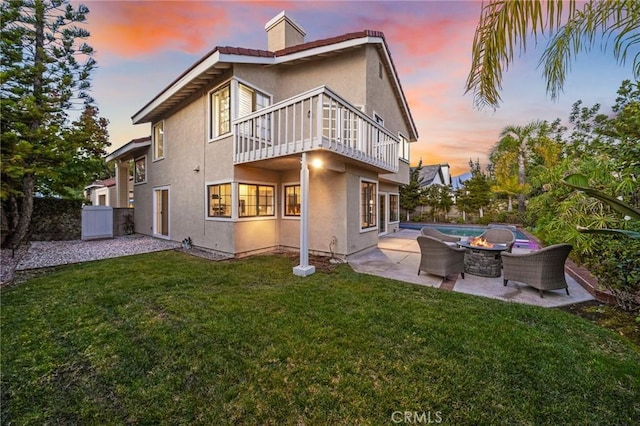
[(304, 269)]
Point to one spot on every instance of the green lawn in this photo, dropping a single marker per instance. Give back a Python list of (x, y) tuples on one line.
[(167, 338)]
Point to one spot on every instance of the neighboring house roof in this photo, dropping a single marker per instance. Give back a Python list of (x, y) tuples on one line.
[(219, 59), (102, 183), (105, 183), (457, 181), (130, 147), (432, 174)]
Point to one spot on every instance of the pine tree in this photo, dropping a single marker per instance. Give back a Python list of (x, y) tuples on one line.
[(475, 193), (410, 194), (45, 73)]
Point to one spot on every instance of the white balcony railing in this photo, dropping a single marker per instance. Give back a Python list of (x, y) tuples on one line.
[(317, 119)]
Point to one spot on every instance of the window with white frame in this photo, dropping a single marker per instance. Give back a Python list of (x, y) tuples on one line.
[(394, 208), (219, 200), (220, 107), (251, 100), (368, 196), (158, 141), (404, 147), (292, 200), (340, 123), (140, 170), (256, 200)]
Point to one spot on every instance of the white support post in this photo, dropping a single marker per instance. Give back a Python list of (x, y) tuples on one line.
[(304, 269), (122, 185)]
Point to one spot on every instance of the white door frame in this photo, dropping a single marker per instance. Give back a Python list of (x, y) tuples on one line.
[(383, 213), (156, 191)]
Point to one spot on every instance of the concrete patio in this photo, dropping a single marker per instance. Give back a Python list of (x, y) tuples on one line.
[(398, 256)]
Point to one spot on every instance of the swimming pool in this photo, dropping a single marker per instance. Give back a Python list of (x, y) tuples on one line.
[(522, 240)]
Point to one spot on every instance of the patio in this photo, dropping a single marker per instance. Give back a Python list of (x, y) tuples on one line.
[(398, 256)]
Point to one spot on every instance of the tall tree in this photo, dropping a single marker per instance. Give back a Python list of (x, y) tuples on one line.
[(505, 177), (410, 194), (438, 197), (505, 27), (475, 193), (514, 144), (83, 156), (45, 73), (519, 150)]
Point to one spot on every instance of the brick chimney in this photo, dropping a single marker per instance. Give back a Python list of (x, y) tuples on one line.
[(283, 32)]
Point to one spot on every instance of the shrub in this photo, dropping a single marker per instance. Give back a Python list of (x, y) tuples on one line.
[(617, 267), (56, 219)]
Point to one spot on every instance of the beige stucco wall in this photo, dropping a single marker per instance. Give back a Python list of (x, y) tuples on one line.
[(399, 178), (342, 73), (381, 100), (143, 203), (327, 210)]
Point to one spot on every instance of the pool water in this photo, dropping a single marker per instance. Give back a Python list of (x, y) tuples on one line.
[(522, 240)]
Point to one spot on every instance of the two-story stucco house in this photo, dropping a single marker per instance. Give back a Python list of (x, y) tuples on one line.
[(234, 136)]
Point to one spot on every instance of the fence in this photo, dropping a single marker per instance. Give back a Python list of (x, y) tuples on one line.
[(97, 222)]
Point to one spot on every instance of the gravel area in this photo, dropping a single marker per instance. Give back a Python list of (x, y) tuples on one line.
[(43, 254)]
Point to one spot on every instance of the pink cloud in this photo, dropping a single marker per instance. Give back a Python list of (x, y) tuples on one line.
[(131, 29)]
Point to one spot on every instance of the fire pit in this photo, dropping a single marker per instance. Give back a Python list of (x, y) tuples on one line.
[(482, 258)]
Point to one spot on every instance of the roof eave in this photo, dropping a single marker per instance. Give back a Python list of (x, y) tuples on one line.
[(128, 148)]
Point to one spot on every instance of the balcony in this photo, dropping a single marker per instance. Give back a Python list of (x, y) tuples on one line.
[(315, 120)]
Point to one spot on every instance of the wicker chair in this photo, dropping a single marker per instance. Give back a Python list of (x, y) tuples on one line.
[(500, 236), (438, 258), (542, 269), (433, 232)]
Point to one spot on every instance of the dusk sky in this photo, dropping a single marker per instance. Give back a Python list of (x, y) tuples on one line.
[(142, 46)]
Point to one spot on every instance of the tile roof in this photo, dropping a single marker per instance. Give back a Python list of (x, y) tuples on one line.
[(328, 41), (228, 50)]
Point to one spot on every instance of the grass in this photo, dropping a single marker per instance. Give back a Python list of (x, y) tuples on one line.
[(167, 338)]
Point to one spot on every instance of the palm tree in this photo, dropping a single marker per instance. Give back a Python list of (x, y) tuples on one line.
[(506, 181), (514, 144), (505, 25)]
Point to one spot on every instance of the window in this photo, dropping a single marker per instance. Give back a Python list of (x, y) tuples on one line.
[(255, 200), (140, 170), (219, 200), (394, 207), (250, 100), (339, 123), (220, 106), (158, 141), (368, 204), (404, 148), (292, 200), (350, 128)]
